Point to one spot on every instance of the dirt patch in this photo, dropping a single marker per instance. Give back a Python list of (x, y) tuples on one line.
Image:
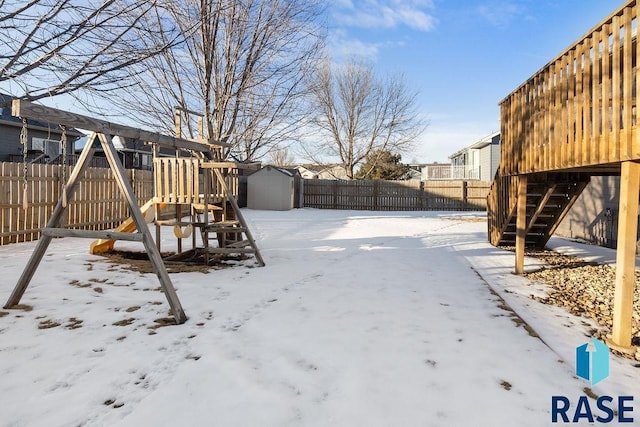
[(79, 284), (74, 323), (113, 403), (506, 385), (132, 309), (4, 313), (48, 324), (23, 307), (124, 322), (590, 393), (162, 322), (139, 262)]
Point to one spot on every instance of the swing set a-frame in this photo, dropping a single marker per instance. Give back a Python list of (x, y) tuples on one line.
[(198, 181)]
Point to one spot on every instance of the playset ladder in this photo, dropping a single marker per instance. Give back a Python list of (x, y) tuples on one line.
[(230, 231)]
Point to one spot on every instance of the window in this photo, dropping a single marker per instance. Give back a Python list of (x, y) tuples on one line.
[(50, 147), (147, 161)]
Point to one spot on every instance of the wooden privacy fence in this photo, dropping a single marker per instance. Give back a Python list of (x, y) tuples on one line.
[(97, 205), (396, 195)]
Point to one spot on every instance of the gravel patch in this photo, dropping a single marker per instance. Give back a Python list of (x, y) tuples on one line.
[(584, 289)]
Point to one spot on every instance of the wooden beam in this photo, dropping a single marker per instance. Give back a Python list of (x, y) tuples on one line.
[(22, 108), (626, 255), (91, 234), (141, 224), (521, 223), (54, 222)]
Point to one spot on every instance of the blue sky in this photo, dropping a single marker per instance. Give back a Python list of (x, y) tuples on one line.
[(463, 56)]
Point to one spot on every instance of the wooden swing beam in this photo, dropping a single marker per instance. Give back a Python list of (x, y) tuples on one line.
[(29, 110)]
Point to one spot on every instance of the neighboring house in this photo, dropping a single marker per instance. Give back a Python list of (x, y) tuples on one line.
[(414, 173), (274, 188), (333, 172), (43, 139), (322, 171), (436, 171), (478, 161), (134, 154), (308, 171)]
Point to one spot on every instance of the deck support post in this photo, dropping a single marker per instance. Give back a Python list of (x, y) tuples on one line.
[(626, 255), (521, 223)]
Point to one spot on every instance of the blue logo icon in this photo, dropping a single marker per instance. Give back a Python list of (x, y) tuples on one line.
[(592, 361)]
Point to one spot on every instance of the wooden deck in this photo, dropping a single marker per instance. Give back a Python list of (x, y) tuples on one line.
[(575, 118), (579, 110)]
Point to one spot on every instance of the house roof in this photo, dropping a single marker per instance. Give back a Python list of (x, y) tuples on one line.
[(487, 140), (289, 172)]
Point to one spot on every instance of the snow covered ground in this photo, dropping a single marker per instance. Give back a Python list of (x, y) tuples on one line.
[(358, 319)]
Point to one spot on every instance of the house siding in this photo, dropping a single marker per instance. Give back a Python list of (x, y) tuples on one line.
[(489, 159), (495, 160), (594, 216), (10, 140), (485, 163)]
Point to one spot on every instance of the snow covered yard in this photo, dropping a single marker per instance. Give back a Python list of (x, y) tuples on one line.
[(358, 319)]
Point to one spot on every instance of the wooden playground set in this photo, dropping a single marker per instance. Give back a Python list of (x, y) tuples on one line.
[(201, 190), (577, 117)]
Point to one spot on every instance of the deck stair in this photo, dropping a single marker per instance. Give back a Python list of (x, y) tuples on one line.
[(549, 198)]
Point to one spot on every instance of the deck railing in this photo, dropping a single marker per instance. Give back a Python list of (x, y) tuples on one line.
[(449, 172), (579, 109), (501, 205)]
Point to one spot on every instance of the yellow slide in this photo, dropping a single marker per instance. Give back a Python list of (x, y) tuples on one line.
[(128, 226)]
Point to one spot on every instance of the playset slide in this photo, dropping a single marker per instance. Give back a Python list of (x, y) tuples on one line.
[(128, 226)]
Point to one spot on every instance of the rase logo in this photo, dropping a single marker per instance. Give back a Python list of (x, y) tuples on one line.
[(592, 361), (592, 364)]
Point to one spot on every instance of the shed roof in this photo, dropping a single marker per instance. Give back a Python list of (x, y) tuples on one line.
[(285, 171)]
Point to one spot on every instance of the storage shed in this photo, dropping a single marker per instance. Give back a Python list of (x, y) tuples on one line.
[(273, 188)]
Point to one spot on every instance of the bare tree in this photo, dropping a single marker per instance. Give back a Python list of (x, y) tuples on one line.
[(242, 67), (280, 157), (359, 113), (53, 47)]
